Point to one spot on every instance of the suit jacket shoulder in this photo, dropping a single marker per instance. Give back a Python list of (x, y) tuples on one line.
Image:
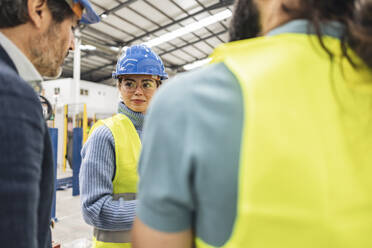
[(26, 163)]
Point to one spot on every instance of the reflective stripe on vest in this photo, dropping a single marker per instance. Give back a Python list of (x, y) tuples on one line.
[(125, 196), (127, 148), (111, 236), (306, 161), (115, 236)]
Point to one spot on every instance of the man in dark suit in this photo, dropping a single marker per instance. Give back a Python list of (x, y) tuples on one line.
[(35, 37)]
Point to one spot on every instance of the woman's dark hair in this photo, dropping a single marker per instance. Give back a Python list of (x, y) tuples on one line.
[(355, 15), (245, 22), (15, 12)]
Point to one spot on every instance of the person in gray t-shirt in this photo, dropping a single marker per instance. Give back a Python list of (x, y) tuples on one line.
[(192, 139)]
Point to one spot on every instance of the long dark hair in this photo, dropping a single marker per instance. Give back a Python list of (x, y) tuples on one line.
[(355, 15)]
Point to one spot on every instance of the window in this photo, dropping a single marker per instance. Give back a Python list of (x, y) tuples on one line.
[(84, 92)]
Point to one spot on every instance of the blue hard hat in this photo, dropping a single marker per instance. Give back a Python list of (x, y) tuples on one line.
[(140, 59), (89, 15)]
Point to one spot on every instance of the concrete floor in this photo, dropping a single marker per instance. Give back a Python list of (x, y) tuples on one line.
[(70, 230)]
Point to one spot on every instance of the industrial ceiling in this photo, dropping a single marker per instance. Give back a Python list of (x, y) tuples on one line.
[(157, 23)]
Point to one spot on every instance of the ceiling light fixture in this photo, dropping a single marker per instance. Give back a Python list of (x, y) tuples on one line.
[(87, 48), (196, 64), (104, 16), (189, 28), (115, 49)]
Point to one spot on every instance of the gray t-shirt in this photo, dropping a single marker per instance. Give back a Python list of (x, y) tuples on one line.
[(190, 161)]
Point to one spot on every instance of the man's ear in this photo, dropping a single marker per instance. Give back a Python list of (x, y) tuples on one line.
[(37, 10)]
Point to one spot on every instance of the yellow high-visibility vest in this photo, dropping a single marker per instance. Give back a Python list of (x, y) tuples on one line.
[(305, 175), (127, 149)]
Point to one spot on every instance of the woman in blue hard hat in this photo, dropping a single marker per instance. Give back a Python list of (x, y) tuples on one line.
[(108, 175)]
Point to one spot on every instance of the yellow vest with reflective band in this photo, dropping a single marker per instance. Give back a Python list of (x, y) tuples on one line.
[(127, 149), (305, 175)]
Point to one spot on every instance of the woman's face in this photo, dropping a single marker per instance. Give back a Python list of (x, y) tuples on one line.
[(137, 91)]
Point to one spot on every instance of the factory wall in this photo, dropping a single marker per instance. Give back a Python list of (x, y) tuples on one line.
[(101, 100)]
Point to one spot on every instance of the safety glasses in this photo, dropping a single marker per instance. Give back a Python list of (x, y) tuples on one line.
[(131, 85)]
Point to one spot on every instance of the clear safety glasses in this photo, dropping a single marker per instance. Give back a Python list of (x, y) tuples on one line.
[(147, 85)]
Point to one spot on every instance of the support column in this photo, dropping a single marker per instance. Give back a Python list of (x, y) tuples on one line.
[(76, 79)]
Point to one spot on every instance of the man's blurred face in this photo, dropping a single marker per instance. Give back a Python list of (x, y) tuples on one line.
[(246, 20), (52, 47)]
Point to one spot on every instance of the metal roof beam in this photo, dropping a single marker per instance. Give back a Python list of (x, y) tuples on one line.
[(100, 33), (98, 69), (177, 68), (118, 7), (172, 19), (221, 4), (172, 1), (93, 39), (193, 43)]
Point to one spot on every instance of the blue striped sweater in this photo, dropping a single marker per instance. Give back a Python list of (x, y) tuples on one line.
[(96, 175)]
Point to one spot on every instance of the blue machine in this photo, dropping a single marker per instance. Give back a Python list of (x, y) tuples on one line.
[(76, 159), (54, 137)]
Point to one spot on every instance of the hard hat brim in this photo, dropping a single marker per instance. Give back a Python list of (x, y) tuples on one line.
[(162, 77), (89, 15)]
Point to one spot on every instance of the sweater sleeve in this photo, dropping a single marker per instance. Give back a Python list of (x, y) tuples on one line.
[(97, 171)]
